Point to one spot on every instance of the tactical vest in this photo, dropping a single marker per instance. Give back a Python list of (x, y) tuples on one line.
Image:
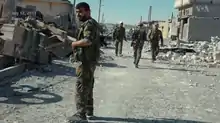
[(155, 35), (139, 35), (92, 52)]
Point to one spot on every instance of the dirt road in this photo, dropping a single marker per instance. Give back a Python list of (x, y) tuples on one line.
[(154, 92)]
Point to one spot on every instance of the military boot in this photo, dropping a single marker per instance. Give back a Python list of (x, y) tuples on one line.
[(90, 115), (77, 118)]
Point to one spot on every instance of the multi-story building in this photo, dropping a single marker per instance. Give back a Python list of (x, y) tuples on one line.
[(199, 19)]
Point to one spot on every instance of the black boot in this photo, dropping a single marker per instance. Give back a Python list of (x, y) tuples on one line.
[(1, 33), (77, 118), (90, 114)]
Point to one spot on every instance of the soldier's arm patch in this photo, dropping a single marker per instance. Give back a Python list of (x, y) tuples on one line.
[(88, 32)]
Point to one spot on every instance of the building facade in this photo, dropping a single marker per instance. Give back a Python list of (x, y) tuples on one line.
[(199, 19)]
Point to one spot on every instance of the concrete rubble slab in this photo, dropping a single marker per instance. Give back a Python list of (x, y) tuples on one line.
[(12, 71)]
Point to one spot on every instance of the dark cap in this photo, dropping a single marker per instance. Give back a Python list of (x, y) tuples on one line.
[(140, 24), (83, 5)]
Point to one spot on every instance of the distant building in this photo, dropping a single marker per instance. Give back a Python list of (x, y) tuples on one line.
[(48, 7), (164, 27), (199, 19)]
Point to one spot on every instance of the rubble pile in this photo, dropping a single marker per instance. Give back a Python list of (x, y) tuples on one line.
[(205, 52), (36, 42)]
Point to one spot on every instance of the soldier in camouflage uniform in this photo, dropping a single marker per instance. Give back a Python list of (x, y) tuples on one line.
[(86, 53), (155, 35), (139, 37), (119, 35)]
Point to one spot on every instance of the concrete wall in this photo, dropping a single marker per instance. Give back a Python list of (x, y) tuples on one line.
[(47, 7), (185, 33), (184, 3), (164, 30), (186, 11), (206, 10), (203, 28)]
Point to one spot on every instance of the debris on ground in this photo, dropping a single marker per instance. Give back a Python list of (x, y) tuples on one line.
[(197, 52)]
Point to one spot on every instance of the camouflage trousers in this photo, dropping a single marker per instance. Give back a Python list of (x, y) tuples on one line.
[(84, 87), (137, 53), (154, 49), (118, 47)]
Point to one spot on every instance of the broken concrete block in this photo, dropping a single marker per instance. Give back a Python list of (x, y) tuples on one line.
[(34, 46), (25, 50), (19, 35), (175, 56), (216, 56), (9, 48)]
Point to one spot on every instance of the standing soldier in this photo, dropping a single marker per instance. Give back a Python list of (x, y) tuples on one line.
[(155, 35), (139, 37), (86, 54), (119, 35), (114, 33)]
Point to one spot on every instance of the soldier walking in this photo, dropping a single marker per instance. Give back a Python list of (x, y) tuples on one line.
[(139, 37), (86, 54), (119, 35), (155, 35)]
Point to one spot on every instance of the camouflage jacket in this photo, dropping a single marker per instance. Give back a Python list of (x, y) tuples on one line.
[(89, 30), (119, 34), (139, 35), (155, 35)]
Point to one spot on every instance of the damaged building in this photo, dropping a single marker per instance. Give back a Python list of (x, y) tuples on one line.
[(57, 11), (199, 19)]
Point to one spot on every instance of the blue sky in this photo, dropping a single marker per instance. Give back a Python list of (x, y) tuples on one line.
[(130, 11)]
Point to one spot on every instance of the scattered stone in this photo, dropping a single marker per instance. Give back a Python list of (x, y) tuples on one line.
[(206, 52)]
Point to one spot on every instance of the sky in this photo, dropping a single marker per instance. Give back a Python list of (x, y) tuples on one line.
[(130, 11)]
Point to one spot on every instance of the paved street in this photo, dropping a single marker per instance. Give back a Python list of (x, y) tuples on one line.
[(154, 92)]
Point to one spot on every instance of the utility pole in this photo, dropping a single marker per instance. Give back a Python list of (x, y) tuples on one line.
[(149, 13), (103, 19), (141, 19), (100, 5)]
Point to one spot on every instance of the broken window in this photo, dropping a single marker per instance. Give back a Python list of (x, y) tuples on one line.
[(185, 20)]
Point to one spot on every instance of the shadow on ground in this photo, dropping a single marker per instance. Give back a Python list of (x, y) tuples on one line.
[(133, 57), (170, 63), (174, 69), (34, 91), (111, 65), (109, 47), (54, 70), (25, 94), (133, 120)]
